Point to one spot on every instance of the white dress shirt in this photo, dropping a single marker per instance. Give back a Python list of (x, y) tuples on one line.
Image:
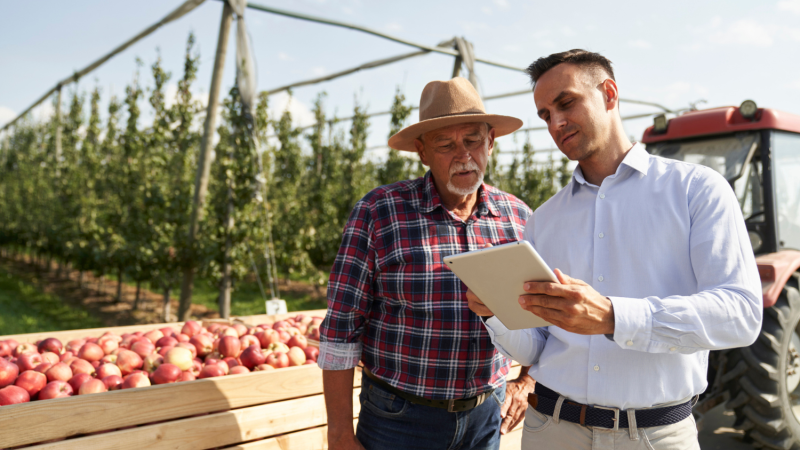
[(665, 240)]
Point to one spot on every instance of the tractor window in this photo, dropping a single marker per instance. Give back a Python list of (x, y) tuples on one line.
[(786, 152)]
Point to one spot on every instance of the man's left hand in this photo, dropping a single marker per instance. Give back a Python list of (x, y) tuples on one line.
[(572, 305), (516, 402)]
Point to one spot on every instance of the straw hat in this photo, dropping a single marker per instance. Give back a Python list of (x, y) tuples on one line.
[(445, 103)]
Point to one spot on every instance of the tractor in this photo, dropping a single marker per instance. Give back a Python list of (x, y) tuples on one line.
[(758, 151)]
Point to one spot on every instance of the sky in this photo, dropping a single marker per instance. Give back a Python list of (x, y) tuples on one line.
[(716, 52)]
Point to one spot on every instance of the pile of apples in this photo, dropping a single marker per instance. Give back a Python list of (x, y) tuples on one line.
[(49, 369)]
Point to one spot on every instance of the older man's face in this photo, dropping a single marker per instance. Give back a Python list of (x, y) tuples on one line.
[(457, 156)]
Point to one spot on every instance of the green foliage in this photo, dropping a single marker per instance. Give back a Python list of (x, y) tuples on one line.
[(119, 198)]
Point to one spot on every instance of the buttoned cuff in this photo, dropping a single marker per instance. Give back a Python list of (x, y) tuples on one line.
[(633, 323), (338, 356), (494, 327)]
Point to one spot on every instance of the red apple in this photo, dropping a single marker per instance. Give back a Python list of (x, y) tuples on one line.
[(317, 320), (230, 346), (32, 381), (187, 376), (112, 359), (248, 339), (298, 341), (51, 345), (107, 370), (164, 350), (284, 335), (231, 362), (78, 379), (278, 347), (92, 386), (91, 352), (261, 367), (203, 344), (25, 348), (183, 338), (238, 369), (252, 356), (166, 341), (5, 349), (278, 360), (154, 335), (293, 331), (135, 380), (143, 347), (66, 355), (166, 373), (12, 344), (312, 353), (128, 361), (212, 370), (43, 367), (113, 382), (108, 344), (212, 355), (74, 345), (151, 362), (8, 372), (212, 328), (228, 331), (11, 395), (55, 389), (180, 357), (241, 329), (197, 366), (280, 325), (297, 356), (50, 357), (267, 337), (189, 347), (190, 328), (27, 361), (168, 331), (82, 366), (59, 372)]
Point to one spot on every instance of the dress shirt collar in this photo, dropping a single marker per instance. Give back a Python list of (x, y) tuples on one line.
[(637, 159), (431, 200)]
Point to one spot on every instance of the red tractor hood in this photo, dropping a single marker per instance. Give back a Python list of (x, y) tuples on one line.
[(775, 270)]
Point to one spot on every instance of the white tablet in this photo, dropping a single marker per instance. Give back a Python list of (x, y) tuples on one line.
[(496, 276)]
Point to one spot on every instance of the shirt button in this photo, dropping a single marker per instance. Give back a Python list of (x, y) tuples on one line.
[(602, 195), (600, 278), (601, 235), (596, 368), (629, 343)]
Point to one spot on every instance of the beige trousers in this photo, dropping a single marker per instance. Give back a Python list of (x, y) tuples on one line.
[(542, 432)]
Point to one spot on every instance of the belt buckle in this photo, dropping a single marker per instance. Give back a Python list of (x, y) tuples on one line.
[(616, 415), (450, 404)]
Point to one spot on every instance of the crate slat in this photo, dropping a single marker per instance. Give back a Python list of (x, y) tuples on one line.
[(210, 431)]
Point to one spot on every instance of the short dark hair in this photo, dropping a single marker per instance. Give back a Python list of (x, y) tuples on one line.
[(578, 57)]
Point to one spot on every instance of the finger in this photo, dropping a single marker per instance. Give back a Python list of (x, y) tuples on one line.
[(487, 245), (553, 316), (542, 301), (518, 418), (506, 405), (504, 426), (563, 279)]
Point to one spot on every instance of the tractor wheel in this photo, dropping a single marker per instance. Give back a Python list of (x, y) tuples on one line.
[(763, 379)]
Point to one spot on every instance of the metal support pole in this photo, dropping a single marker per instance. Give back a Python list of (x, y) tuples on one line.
[(204, 163)]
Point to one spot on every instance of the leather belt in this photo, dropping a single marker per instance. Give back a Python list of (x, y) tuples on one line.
[(456, 405), (544, 400)]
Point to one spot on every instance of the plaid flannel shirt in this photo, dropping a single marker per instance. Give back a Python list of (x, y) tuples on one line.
[(394, 305)]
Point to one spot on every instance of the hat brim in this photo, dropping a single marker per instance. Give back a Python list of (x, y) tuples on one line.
[(404, 139)]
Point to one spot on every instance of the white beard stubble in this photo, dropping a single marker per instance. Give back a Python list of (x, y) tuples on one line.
[(462, 167)]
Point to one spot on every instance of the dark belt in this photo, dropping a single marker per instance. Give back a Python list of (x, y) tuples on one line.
[(459, 405), (544, 400)]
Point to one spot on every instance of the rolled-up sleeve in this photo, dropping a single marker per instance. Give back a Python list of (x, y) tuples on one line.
[(727, 310), (349, 293), (523, 346)]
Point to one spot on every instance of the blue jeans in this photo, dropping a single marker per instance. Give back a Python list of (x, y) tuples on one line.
[(388, 422)]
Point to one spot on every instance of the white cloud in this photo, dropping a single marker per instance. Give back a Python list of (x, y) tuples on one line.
[(792, 33), (746, 32), (6, 115), (301, 114), (502, 4), (486, 10), (393, 26), (319, 71), (639, 43), (789, 5)]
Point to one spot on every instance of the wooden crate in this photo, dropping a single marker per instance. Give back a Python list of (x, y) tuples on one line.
[(282, 410)]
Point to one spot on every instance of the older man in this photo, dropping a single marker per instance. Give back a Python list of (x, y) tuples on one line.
[(660, 272), (432, 379)]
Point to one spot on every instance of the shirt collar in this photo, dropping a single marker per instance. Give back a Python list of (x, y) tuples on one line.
[(431, 200), (637, 159)]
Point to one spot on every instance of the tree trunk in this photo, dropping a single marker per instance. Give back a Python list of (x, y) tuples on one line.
[(225, 283), (138, 292), (80, 279), (119, 284), (167, 292)]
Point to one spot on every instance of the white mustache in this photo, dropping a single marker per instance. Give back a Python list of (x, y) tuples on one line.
[(464, 167)]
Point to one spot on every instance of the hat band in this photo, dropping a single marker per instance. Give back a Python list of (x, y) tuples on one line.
[(480, 113)]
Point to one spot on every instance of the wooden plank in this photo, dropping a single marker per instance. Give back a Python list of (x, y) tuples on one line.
[(97, 332), (311, 439), (71, 416), (210, 431)]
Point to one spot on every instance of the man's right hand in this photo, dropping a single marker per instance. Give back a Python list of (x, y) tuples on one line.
[(476, 305), (343, 441)]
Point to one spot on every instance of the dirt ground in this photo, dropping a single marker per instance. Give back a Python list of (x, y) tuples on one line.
[(719, 434)]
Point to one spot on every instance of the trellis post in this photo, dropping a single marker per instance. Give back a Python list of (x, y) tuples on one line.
[(204, 162)]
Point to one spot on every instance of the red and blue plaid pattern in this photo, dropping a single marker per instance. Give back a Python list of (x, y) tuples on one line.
[(394, 305)]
